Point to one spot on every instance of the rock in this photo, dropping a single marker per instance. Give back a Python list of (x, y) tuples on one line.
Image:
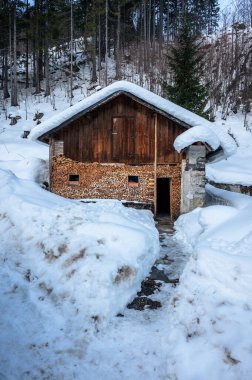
[(140, 303), (148, 287)]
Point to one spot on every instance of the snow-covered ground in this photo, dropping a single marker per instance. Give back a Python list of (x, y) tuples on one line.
[(236, 169), (211, 311), (132, 347), (68, 268)]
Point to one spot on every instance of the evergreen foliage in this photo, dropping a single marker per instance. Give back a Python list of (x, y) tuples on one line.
[(186, 64)]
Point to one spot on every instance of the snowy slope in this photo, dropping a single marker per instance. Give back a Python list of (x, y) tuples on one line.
[(211, 311), (236, 169)]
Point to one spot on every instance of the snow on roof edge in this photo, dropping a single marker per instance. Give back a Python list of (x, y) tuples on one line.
[(164, 105), (147, 96), (195, 134), (212, 135)]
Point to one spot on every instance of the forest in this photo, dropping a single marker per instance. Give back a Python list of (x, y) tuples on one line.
[(154, 43), (91, 289)]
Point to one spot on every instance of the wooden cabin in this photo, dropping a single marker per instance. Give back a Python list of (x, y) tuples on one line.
[(118, 144)]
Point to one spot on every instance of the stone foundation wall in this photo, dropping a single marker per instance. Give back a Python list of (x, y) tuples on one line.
[(111, 181)]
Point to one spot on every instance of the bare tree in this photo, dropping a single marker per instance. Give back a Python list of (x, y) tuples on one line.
[(46, 54), (14, 101)]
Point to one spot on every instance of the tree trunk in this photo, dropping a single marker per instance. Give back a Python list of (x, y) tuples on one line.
[(34, 66), (106, 44), (118, 53), (27, 51), (161, 26), (37, 52), (99, 49), (94, 72), (47, 89), (14, 101), (5, 76), (71, 56)]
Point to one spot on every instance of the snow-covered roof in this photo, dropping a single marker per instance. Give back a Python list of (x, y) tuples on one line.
[(93, 101), (160, 104)]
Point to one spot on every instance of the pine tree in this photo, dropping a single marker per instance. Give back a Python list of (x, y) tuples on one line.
[(186, 64)]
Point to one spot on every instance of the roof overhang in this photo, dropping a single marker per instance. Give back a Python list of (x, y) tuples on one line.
[(102, 101)]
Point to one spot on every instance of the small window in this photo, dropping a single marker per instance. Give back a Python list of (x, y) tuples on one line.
[(74, 179), (133, 181)]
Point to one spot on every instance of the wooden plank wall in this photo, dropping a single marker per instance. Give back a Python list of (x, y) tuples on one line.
[(90, 138)]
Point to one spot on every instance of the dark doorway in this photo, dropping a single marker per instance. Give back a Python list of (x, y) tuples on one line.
[(163, 196)]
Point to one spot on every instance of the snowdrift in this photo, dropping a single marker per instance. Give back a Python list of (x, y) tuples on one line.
[(64, 260), (210, 314)]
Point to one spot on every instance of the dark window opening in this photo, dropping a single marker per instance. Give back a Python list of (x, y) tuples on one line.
[(163, 196), (133, 180), (74, 177)]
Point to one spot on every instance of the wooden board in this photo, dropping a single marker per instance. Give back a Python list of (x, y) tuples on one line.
[(121, 130)]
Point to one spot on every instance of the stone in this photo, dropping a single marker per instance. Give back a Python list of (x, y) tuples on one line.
[(140, 303)]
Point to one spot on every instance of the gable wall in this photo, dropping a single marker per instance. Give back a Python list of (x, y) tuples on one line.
[(99, 137)]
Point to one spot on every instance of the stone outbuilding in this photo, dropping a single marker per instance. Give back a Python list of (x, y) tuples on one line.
[(119, 143)]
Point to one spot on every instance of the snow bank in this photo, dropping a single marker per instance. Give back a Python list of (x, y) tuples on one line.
[(33, 169), (26, 159), (95, 254), (210, 319), (65, 263), (237, 168)]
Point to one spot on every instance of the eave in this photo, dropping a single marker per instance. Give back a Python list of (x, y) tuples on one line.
[(94, 106)]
